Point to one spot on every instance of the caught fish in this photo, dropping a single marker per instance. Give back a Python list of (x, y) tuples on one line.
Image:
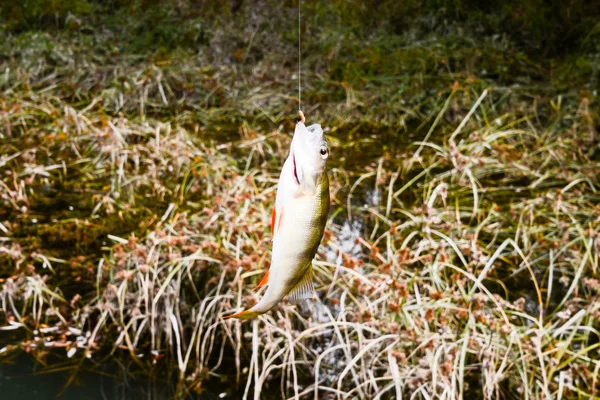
[(297, 221)]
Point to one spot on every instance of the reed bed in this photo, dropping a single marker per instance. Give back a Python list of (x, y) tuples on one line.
[(459, 262)]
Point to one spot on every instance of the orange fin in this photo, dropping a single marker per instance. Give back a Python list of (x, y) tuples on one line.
[(273, 218), (280, 220), (264, 280), (276, 221), (246, 314)]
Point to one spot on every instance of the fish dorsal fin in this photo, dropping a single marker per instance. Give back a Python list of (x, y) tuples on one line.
[(304, 289)]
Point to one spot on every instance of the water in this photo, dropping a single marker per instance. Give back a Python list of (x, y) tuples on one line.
[(25, 379)]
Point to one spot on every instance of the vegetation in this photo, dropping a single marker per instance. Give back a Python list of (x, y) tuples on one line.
[(141, 146)]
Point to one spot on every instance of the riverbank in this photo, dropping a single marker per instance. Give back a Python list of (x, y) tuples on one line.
[(461, 252)]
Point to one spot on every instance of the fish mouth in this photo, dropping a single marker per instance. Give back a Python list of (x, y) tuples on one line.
[(295, 172)]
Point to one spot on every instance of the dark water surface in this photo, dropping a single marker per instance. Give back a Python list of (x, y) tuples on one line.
[(24, 379)]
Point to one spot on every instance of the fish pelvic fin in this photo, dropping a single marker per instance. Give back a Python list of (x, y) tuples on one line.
[(273, 219), (263, 281), (276, 221), (246, 314), (304, 289)]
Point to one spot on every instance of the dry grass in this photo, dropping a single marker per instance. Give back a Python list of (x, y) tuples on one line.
[(471, 270), (462, 265)]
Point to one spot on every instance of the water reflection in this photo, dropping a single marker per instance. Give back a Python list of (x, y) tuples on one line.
[(346, 242)]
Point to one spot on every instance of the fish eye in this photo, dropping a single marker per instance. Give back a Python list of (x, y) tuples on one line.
[(324, 151)]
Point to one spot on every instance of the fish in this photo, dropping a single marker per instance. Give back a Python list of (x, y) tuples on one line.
[(297, 221)]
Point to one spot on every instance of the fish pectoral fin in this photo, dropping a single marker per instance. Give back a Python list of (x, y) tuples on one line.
[(304, 289)]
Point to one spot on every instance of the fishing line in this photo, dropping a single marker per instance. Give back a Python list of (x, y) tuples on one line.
[(300, 113), (299, 60)]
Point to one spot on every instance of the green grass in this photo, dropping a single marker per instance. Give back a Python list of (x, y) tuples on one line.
[(138, 168)]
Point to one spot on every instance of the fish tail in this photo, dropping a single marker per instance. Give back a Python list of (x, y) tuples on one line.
[(246, 314)]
